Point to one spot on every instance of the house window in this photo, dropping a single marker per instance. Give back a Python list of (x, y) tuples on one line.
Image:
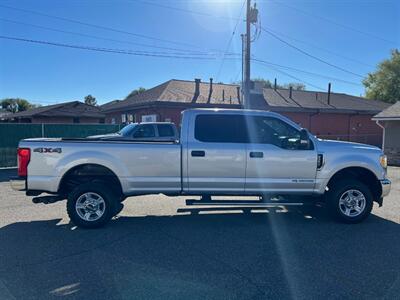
[(149, 118), (167, 119), (76, 120), (112, 120), (123, 118)]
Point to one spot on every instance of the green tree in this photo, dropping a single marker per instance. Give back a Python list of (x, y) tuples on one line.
[(384, 83), (268, 84), (136, 92), (90, 100), (16, 104), (295, 85)]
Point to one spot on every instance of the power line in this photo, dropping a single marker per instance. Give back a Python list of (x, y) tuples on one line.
[(98, 49), (204, 14), (229, 42), (335, 23), (320, 48), (102, 38), (306, 72), (308, 54), (161, 55), (298, 79), (98, 26)]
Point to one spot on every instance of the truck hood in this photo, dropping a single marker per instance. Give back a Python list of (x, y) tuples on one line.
[(331, 144)]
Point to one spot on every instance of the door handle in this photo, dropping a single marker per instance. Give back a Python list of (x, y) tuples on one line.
[(198, 153), (256, 154)]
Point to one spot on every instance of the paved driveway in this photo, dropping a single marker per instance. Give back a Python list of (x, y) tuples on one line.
[(160, 249)]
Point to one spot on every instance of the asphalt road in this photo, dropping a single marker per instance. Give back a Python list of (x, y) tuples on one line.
[(160, 249)]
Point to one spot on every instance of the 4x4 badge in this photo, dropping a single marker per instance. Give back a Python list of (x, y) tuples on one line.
[(47, 150)]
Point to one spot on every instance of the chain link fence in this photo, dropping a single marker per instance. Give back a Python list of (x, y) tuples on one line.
[(12, 133)]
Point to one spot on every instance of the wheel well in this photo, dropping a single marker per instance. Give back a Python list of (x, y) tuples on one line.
[(88, 172), (362, 174)]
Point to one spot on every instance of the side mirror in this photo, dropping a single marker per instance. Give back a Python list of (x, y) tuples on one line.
[(304, 139)]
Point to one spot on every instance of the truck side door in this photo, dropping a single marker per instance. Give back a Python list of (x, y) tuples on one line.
[(276, 161), (216, 154)]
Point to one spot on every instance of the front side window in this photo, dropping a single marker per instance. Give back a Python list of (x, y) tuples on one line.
[(220, 128), (268, 130), (145, 131)]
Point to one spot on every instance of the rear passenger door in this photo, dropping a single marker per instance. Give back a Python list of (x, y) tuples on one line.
[(217, 154)]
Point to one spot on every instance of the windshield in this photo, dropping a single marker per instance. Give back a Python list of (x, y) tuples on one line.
[(127, 130)]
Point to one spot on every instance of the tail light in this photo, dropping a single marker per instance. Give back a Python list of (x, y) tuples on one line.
[(24, 156)]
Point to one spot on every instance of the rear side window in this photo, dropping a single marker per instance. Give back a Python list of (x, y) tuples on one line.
[(220, 129), (145, 131), (165, 130)]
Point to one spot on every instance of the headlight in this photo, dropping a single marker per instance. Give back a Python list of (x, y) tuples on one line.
[(383, 161)]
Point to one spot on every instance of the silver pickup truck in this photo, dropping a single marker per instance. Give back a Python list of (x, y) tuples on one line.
[(220, 152)]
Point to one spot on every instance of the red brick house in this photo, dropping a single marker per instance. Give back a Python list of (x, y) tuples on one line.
[(68, 112), (328, 115)]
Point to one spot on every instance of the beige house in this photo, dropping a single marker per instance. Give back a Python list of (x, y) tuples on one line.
[(389, 120)]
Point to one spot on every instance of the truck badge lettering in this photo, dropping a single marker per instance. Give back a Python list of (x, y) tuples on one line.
[(47, 150)]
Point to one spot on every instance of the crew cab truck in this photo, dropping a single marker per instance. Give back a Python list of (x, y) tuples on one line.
[(220, 152)]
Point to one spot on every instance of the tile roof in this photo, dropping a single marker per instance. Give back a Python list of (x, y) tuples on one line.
[(183, 92), (66, 109), (392, 112)]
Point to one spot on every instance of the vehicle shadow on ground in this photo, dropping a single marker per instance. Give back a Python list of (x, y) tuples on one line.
[(218, 255)]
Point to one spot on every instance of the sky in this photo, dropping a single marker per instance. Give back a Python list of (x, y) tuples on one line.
[(314, 42)]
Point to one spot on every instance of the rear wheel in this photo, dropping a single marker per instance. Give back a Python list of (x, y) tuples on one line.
[(91, 205), (350, 201)]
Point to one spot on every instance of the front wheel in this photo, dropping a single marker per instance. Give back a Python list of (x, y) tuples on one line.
[(91, 205), (350, 201)]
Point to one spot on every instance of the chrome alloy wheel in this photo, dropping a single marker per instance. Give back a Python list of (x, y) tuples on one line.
[(90, 206), (352, 203)]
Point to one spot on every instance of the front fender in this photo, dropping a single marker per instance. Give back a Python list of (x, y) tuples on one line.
[(331, 167)]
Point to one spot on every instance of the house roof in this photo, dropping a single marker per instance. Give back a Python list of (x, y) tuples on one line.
[(392, 112), (183, 92), (67, 109)]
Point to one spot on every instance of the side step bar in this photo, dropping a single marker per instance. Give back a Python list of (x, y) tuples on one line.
[(47, 199), (241, 203)]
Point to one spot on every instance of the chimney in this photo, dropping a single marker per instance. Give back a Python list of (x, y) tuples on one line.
[(238, 93), (329, 93), (211, 90), (196, 89), (290, 92), (275, 84)]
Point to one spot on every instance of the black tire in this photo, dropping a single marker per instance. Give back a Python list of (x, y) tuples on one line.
[(338, 210), (118, 208), (108, 206)]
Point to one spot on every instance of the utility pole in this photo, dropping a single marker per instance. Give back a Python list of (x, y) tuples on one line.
[(246, 83), (251, 18)]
